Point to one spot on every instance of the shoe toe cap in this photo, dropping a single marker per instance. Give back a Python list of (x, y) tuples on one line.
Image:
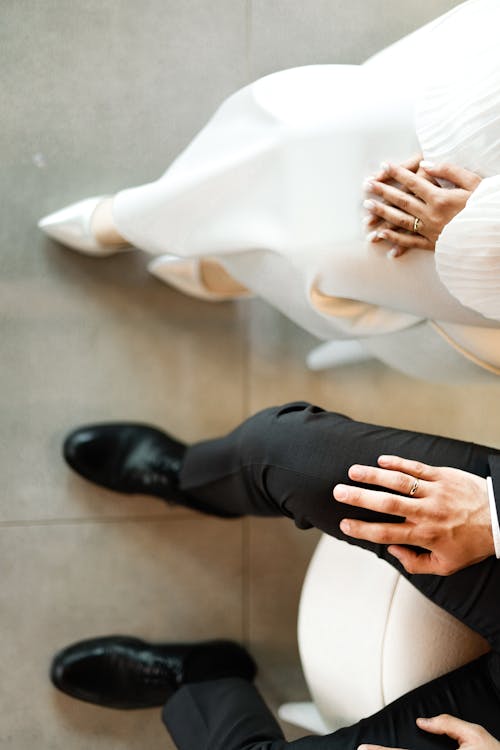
[(90, 452), (75, 674)]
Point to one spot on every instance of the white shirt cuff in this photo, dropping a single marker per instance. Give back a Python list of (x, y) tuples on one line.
[(495, 525)]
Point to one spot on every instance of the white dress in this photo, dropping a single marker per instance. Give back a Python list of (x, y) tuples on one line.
[(272, 188)]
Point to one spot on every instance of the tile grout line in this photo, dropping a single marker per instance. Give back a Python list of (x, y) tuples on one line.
[(96, 520)]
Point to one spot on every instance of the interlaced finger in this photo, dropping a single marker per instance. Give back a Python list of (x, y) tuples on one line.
[(394, 216), (407, 240), (396, 197), (412, 164), (417, 185)]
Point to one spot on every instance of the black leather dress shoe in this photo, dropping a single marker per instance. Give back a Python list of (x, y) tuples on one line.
[(126, 673), (133, 459)]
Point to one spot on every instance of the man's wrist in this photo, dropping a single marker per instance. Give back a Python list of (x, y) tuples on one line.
[(495, 524)]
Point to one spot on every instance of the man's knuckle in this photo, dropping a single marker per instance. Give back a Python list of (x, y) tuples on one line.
[(439, 514), (392, 505), (441, 201), (477, 731), (402, 483), (354, 495), (428, 537), (418, 468), (419, 512), (417, 509)]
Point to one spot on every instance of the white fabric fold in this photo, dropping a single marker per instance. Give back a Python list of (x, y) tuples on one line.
[(458, 122), (458, 106)]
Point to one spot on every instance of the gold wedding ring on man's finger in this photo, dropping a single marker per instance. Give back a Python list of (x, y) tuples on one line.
[(417, 224), (414, 488)]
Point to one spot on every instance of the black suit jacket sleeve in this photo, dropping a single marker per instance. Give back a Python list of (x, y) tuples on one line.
[(494, 462)]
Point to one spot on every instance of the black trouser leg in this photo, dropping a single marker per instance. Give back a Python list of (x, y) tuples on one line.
[(221, 715), (231, 715), (286, 461)]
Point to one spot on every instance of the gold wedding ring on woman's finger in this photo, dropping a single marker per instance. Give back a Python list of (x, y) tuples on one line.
[(414, 488), (416, 224)]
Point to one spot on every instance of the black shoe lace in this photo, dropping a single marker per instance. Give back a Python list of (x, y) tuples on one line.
[(158, 673), (160, 472)]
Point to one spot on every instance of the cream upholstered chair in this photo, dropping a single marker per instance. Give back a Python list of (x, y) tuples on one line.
[(366, 636)]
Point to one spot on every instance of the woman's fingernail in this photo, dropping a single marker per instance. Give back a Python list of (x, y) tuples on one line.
[(340, 492), (368, 204), (368, 184), (384, 166), (372, 236), (366, 220), (426, 164), (423, 722), (393, 252), (345, 526), (383, 235), (356, 472)]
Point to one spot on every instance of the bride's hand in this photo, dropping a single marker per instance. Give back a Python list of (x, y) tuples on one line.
[(413, 164), (415, 216)]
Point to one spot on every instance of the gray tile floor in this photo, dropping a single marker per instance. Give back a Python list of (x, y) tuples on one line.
[(99, 96)]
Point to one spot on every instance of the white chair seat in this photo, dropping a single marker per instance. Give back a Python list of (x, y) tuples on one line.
[(367, 636), (304, 714)]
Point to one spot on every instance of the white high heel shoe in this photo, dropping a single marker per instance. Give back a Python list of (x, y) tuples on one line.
[(184, 274), (71, 226)]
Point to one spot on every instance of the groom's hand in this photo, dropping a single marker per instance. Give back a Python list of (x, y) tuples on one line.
[(446, 512), (468, 736)]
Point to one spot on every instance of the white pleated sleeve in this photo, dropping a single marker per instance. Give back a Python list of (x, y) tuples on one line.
[(468, 251), (458, 122)]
